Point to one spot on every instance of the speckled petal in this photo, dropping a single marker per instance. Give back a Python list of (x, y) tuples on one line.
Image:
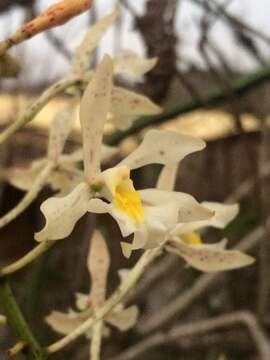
[(95, 105), (127, 62), (211, 259), (82, 58), (162, 147), (61, 214), (98, 263), (224, 214)]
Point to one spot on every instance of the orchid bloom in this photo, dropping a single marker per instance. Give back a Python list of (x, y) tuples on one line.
[(66, 173), (184, 240), (98, 263), (112, 190)]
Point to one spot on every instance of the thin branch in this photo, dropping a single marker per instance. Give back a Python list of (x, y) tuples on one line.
[(189, 296), (198, 328), (29, 197), (232, 19), (96, 341), (239, 87), (55, 15), (26, 259), (120, 293), (18, 324), (37, 106), (59, 45)]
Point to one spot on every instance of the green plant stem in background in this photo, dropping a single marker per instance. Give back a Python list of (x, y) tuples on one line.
[(239, 87), (17, 322)]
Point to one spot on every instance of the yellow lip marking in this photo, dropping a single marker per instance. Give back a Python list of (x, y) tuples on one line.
[(191, 238), (127, 200)]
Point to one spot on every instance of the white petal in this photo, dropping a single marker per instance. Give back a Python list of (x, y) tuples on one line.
[(63, 323), (128, 105), (188, 207), (162, 147), (224, 214), (130, 64), (167, 177), (94, 108), (62, 213), (82, 58), (126, 225), (59, 131), (124, 319), (98, 263), (126, 249), (212, 258)]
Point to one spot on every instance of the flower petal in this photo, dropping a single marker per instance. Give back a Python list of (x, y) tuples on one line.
[(126, 225), (162, 147), (63, 323), (82, 60), (128, 105), (188, 207), (167, 177), (223, 215), (123, 319), (98, 263), (62, 213), (131, 64), (94, 108), (211, 258), (59, 131)]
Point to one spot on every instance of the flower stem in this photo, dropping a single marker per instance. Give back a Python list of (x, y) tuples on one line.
[(29, 197), (26, 259), (17, 322), (35, 108), (117, 297), (96, 341)]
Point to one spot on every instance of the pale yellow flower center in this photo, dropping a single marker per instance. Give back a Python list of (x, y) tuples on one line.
[(192, 238), (127, 200)]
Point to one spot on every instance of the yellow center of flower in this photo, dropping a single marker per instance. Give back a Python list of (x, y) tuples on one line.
[(192, 238), (128, 200)]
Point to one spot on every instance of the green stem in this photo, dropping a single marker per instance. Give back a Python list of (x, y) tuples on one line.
[(17, 322), (239, 87)]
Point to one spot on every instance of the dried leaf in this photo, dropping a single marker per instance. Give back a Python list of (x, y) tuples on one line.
[(64, 323)]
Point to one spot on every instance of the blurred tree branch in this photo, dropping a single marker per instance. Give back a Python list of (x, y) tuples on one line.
[(239, 87)]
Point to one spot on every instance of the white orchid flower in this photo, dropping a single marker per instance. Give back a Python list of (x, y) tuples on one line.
[(185, 242), (126, 105), (98, 265), (147, 213)]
